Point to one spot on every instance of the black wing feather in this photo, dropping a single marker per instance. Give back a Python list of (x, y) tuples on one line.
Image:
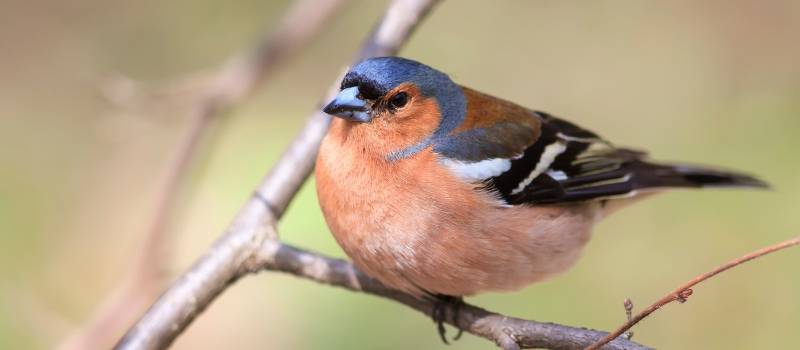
[(589, 168)]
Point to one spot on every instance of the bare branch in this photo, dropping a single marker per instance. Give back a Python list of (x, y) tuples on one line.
[(226, 259), (236, 79), (684, 291), (506, 332), (250, 242)]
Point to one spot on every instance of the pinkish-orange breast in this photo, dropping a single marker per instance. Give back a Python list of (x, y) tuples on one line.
[(415, 227)]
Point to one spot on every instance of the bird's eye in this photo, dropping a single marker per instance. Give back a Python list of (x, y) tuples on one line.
[(398, 100)]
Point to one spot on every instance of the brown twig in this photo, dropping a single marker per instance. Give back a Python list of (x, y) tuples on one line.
[(683, 292), (236, 79)]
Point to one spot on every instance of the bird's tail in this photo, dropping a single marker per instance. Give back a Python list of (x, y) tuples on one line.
[(654, 175), (648, 178), (622, 173)]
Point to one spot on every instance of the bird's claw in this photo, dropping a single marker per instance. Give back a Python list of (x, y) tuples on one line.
[(440, 305)]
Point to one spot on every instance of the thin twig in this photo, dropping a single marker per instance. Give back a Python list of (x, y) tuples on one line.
[(227, 259), (227, 85), (681, 293)]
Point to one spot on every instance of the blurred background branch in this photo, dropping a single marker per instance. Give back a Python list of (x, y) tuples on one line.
[(210, 94)]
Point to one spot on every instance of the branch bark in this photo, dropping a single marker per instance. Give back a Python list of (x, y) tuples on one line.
[(224, 262), (211, 93), (250, 243), (684, 291), (506, 332)]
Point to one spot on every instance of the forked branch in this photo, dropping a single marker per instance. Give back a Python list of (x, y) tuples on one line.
[(209, 93), (242, 249), (250, 243), (226, 259)]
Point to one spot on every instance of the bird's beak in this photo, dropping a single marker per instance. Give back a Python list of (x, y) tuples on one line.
[(347, 105)]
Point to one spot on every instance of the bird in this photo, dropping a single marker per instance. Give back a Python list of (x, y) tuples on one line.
[(443, 192)]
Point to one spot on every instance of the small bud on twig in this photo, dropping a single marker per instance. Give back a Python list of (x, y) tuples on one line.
[(628, 304), (683, 295)]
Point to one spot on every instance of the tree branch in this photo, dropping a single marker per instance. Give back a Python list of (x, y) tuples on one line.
[(224, 262), (506, 332), (211, 92), (684, 291), (250, 242)]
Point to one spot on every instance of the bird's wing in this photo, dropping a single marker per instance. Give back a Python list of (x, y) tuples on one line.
[(536, 158), (492, 130)]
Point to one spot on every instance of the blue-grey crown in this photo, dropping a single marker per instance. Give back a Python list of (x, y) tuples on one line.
[(377, 76)]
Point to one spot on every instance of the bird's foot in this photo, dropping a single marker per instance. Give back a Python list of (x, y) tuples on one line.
[(440, 305)]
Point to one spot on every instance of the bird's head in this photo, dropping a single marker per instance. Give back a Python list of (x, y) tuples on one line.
[(399, 100)]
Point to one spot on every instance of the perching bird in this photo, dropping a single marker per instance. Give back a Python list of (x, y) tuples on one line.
[(441, 191)]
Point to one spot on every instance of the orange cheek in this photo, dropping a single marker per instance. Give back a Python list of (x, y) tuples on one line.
[(406, 127)]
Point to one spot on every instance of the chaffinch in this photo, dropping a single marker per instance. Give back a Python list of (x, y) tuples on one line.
[(439, 190)]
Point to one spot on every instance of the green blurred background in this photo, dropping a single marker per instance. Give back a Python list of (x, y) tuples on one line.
[(708, 82)]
